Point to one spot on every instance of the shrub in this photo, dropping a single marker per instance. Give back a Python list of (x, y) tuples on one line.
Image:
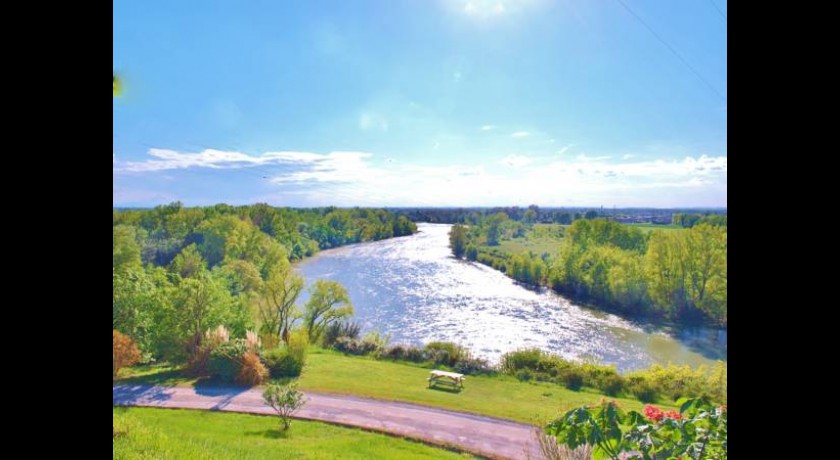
[(298, 344), (125, 352), (523, 375), (251, 370), (226, 360), (343, 329), (641, 388), (572, 378), (473, 366), (285, 400), (447, 353), (515, 360), (197, 362), (282, 363), (396, 352), (716, 382), (611, 384), (347, 345)]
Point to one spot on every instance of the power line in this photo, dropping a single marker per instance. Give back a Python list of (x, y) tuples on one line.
[(722, 14), (678, 55)]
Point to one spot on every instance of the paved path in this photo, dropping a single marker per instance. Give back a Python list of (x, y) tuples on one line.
[(485, 436)]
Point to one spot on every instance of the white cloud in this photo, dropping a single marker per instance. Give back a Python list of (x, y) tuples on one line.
[(488, 127), (346, 178), (627, 156), (218, 159), (456, 77), (520, 134), (516, 161)]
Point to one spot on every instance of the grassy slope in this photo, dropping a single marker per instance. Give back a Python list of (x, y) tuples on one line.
[(499, 396), (191, 434)]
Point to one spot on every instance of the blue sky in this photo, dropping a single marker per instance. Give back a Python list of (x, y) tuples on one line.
[(421, 103)]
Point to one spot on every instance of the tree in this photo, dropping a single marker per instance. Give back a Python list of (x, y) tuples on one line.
[(126, 249), (285, 400), (328, 303), (125, 352), (458, 240), (201, 303), (494, 223), (278, 295), (188, 262)]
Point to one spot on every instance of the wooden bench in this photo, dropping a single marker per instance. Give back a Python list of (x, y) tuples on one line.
[(452, 379)]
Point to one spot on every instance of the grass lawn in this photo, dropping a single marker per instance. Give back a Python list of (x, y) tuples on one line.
[(194, 434), (499, 396)]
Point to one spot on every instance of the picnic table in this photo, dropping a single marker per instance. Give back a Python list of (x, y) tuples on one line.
[(446, 378)]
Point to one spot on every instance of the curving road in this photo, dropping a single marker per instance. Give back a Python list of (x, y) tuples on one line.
[(485, 436)]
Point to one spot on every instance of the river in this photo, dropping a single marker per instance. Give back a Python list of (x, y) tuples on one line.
[(414, 290)]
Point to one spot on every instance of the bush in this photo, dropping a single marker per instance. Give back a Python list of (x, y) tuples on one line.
[(446, 353), (611, 384), (285, 400), (641, 388), (523, 375), (528, 358), (572, 378), (226, 360), (281, 363), (251, 371), (343, 329), (474, 366), (126, 352)]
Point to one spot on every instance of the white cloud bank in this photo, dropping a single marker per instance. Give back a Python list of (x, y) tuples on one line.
[(357, 178)]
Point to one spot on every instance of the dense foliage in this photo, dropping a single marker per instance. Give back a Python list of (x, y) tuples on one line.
[(125, 352), (698, 431), (677, 273), (669, 382), (179, 272)]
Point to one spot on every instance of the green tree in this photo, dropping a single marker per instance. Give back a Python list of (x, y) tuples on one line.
[(328, 303), (458, 240), (494, 230), (201, 303), (276, 304), (188, 262), (126, 248)]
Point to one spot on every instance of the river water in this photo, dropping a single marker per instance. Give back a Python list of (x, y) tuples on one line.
[(413, 289)]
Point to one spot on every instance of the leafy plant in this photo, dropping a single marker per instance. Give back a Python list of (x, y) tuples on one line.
[(285, 400), (697, 431), (125, 352)]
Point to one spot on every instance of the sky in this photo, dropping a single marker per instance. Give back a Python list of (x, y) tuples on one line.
[(421, 103)]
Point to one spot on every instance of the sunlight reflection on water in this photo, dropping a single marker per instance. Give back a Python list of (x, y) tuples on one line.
[(413, 289)]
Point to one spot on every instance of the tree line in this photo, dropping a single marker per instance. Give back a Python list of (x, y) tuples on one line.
[(679, 274)]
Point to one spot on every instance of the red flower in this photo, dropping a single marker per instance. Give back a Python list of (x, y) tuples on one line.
[(673, 414), (654, 413)]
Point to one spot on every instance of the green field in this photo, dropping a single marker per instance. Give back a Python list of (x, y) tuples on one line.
[(649, 227), (499, 396), (147, 433)]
